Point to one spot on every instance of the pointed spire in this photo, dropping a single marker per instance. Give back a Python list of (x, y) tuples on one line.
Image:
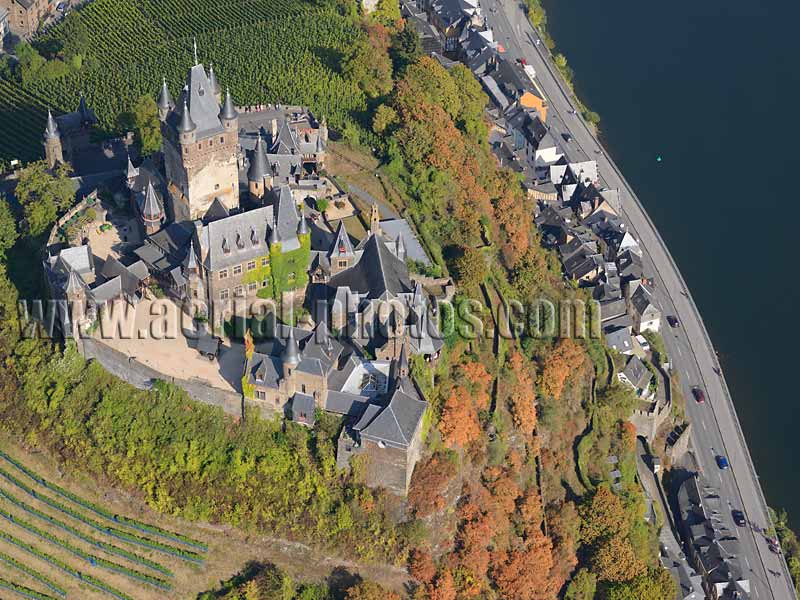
[(82, 108), (212, 80), (51, 131), (228, 112), (302, 226), (273, 233), (259, 166), (186, 125), (402, 363), (291, 352), (151, 209), (74, 283), (133, 172), (401, 247), (196, 62), (341, 245), (191, 258), (164, 98)]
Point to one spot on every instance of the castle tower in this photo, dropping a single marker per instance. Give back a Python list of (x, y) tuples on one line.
[(195, 289), (201, 147), (375, 220), (259, 175), (341, 255), (290, 359), (152, 212), (53, 151), (76, 299)]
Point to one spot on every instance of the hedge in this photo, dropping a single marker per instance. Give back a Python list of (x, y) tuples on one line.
[(93, 560), (85, 578), (102, 512), (110, 548), (13, 562), (117, 533)]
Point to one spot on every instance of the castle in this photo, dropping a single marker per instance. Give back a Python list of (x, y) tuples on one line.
[(221, 219)]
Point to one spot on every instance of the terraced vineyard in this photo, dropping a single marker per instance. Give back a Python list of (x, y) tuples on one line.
[(56, 544), (266, 50)]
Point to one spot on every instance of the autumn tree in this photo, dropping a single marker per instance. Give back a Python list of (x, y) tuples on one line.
[(429, 483), (368, 64), (368, 590), (615, 560), (480, 381), (470, 268), (524, 574), (421, 566), (602, 516), (522, 394), (474, 535), (444, 588), (566, 358), (459, 423)]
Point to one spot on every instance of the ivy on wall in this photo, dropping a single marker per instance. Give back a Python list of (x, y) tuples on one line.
[(290, 269)]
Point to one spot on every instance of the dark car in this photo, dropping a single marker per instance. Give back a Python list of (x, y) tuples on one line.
[(738, 518), (722, 462), (699, 395), (673, 321), (567, 137)]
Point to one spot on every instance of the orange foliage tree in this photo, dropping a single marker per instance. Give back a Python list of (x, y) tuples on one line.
[(368, 590), (428, 484), (524, 574), (522, 399), (459, 423), (566, 358)]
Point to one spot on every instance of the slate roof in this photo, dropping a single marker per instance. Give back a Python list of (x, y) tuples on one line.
[(377, 273), (612, 309), (401, 227), (642, 299), (264, 370), (344, 403), (637, 373), (76, 258), (619, 339), (166, 249), (396, 424), (244, 235), (129, 279), (198, 96), (287, 219), (303, 407), (109, 290)]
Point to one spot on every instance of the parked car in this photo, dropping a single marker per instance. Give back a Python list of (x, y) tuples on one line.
[(738, 518), (699, 395), (722, 462), (774, 545), (673, 321)]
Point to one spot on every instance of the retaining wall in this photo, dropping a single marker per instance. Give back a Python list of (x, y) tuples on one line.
[(141, 376)]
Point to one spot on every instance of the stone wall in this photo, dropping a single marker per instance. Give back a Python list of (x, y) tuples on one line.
[(141, 376)]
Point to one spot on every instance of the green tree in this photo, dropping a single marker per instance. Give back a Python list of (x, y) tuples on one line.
[(43, 194), (368, 65), (147, 125), (8, 228), (582, 587), (384, 119), (471, 268), (655, 584), (30, 62), (405, 49), (473, 101)]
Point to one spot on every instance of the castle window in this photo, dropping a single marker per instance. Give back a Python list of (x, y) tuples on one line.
[(251, 287), (223, 274), (223, 294), (303, 387), (342, 264), (216, 186), (265, 283), (264, 261), (261, 395), (222, 140), (238, 291), (237, 270), (251, 265)]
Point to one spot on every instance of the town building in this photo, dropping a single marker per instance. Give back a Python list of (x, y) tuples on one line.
[(25, 16)]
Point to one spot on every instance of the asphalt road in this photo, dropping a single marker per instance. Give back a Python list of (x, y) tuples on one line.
[(715, 428)]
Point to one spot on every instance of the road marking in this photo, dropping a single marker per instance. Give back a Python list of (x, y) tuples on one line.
[(747, 562), (685, 372), (679, 350), (703, 423)]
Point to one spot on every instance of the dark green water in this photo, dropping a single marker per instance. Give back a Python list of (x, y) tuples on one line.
[(712, 86)]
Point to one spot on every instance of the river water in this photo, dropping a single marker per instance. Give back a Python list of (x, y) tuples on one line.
[(711, 87)]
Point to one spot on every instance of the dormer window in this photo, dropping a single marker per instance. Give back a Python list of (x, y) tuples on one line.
[(253, 237), (341, 248), (226, 248), (239, 241)]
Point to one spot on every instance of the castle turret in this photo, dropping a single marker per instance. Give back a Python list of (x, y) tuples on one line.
[(400, 247), (186, 127), (165, 103), (54, 152), (302, 225), (228, 114), (152, 211), (290, 359), (75, 291), (259, 175)]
